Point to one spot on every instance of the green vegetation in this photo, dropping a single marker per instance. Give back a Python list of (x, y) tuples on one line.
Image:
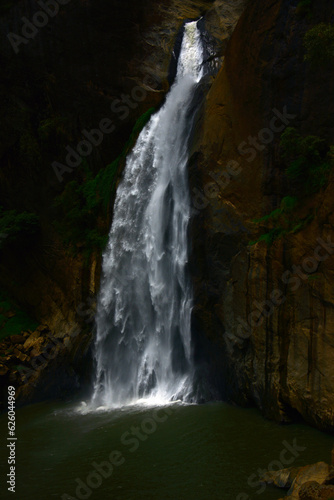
[(82, 206), (5, 306), (13, 320), (287, 205), (313, 277), (304, 8), (281, 221), (319, 45), (15, 226), (308, 160), (139, 125), (308, 164), (79, 208), (19, 323)]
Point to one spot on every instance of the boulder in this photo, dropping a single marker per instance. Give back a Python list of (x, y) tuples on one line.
[(282, 478), (315, 491), (330, 477), (19, 355), (33, 340), (316, 473)]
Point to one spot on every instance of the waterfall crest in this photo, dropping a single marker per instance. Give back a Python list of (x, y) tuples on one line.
[(143, 331)]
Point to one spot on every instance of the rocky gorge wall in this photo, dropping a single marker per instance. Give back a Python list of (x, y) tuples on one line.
[(266, 309), (262, 328), (91, 61)]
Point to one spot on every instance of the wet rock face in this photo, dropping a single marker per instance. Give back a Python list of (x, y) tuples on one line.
[(315, 491), (264, 312), (40, 365), (86, 59), (312, 482)]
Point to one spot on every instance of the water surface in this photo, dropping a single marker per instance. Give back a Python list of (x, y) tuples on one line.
[(200, 452)]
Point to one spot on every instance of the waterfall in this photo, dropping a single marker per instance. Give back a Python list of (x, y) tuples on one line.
[(143, 320)]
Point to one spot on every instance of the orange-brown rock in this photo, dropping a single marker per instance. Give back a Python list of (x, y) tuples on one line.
[(263, 336), (314, 491), (75, 70)]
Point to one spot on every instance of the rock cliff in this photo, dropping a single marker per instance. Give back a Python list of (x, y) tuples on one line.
[(68, 71), (263, 317), (266, 307)]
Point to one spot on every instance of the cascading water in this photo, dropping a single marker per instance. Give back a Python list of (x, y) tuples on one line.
[(143, 338)]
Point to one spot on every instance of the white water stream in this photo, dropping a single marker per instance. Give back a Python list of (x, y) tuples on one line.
[(143, 338)]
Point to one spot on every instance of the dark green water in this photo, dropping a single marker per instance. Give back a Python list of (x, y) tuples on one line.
[(199, 452)]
